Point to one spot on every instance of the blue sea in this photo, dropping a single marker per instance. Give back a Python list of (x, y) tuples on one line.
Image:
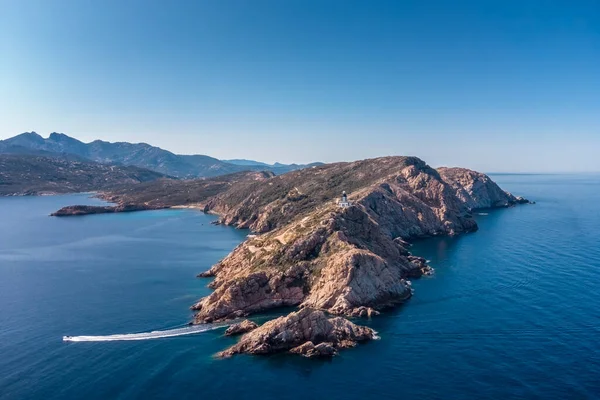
[(513, 310)]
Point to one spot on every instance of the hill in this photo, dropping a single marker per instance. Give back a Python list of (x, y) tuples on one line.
[(24, 174), (346, 260), (304, 233)]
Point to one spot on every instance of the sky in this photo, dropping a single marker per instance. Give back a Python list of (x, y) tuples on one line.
[(497, 86)]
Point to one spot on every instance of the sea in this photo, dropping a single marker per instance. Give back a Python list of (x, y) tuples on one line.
[(512, 311)]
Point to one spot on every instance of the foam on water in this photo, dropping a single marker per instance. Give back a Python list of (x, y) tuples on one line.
[(189, 330)]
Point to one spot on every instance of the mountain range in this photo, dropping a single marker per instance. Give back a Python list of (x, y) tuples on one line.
[(140, 155)]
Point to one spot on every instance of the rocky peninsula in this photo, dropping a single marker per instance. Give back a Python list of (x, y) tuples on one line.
[(163, 193), (308, 251)]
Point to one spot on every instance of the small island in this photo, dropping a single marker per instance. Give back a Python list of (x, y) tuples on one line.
[(331, 240)]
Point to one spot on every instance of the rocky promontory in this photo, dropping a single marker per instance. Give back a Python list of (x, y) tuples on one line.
[(306, 332), (310, 251), (477, 190), (163, 193), (85, 210), (350, 261), (313, 253)]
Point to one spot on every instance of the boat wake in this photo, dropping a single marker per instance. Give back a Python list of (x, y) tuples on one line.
[(188, 330)]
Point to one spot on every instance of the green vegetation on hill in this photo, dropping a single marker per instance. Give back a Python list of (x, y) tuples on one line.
[(22, 174)]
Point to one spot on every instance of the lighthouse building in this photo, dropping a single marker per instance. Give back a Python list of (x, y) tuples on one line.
[(344, 200)]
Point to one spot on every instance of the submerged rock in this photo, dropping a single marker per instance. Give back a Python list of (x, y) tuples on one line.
[(308, 332), (309, 350)]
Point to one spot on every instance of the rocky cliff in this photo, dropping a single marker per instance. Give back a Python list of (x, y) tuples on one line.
[(477, 190), (423, 203), (348, 261), (306, 332)]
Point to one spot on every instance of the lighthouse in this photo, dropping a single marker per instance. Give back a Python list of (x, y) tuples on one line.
[(344, 200)]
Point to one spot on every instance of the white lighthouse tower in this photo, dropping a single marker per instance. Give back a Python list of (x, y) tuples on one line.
[(344, 200)]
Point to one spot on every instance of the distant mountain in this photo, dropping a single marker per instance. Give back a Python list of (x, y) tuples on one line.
[(277, 167), (140, 154), (250, 163), (25, 174), (137, 154)]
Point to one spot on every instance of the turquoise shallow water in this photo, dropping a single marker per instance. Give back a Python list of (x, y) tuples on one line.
[(513, 310)]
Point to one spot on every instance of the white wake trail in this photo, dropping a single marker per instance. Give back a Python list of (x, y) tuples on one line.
[(188, 330)]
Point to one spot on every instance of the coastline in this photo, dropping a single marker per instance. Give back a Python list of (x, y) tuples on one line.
[(308, 252), (191, 206), (480, 287)]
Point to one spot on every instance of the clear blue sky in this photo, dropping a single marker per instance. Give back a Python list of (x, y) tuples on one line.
[(509, 85)]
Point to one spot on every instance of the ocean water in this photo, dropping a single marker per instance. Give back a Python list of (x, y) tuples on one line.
[(513, 310)]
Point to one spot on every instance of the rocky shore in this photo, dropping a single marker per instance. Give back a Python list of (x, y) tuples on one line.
[(307, 251), (242, 327), (306, 332), (350, 261), (163, 193), (85, 210), (476, 190)]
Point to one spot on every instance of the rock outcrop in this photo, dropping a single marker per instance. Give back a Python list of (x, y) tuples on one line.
[(422, 203), (312, 253), (242, 327), (477, 190), (327, 262), (307, 332), (308, 349), (85, 210)]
